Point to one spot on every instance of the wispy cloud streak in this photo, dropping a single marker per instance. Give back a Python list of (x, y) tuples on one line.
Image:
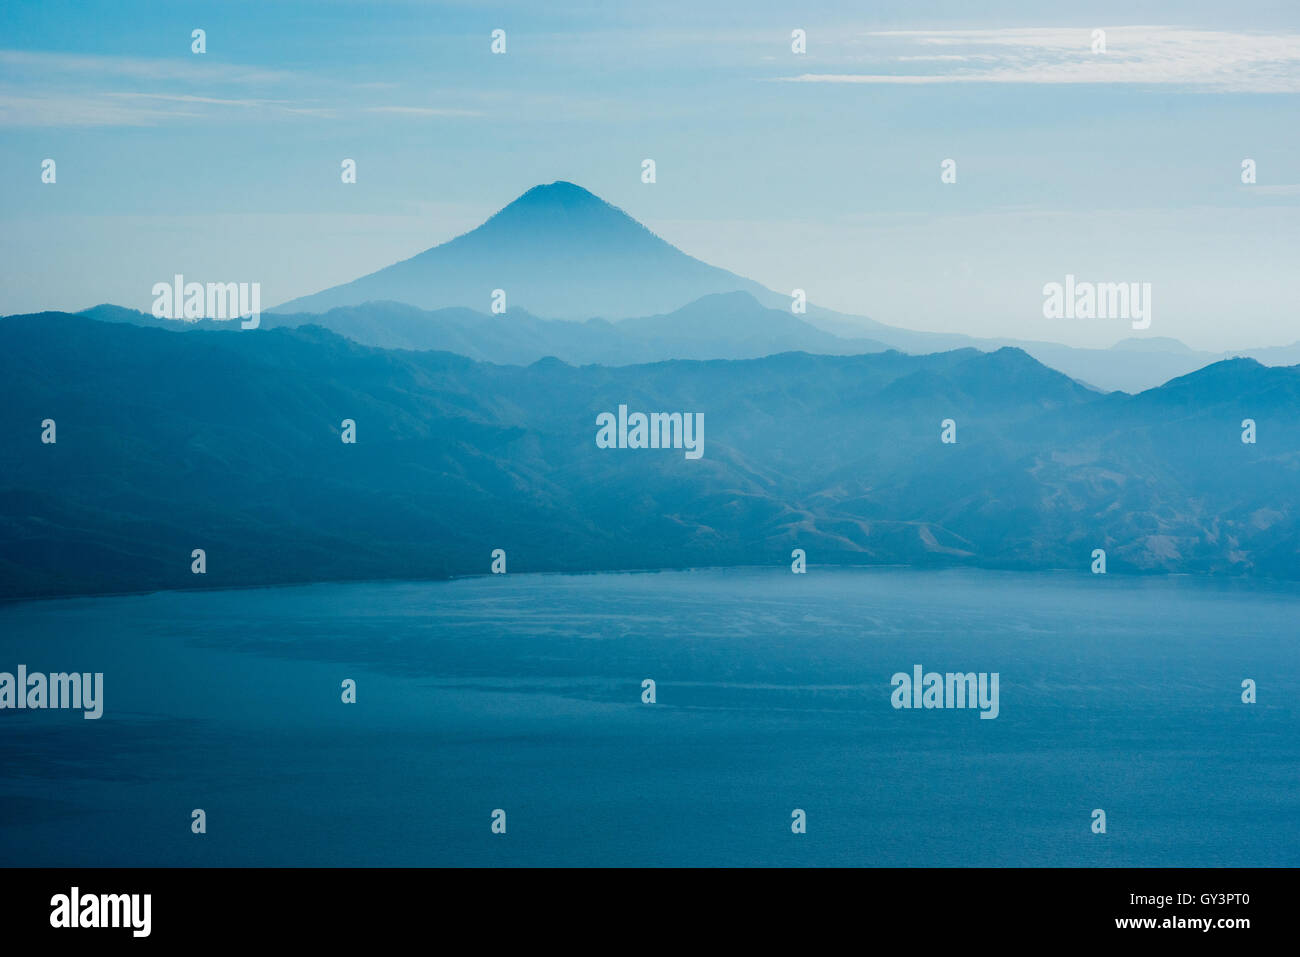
[(1197, 60)]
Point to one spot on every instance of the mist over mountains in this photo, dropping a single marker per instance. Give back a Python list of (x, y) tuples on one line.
[(718, 326), (561, 253), (231, 443), (586, 283)]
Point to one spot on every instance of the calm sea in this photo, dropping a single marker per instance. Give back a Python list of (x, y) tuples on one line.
[(523, 693)]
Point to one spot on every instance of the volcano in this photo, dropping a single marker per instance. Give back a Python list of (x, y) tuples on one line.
[(557, 251)]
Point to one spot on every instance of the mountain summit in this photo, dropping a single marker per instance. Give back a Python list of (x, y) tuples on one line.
[(557, 251), (561, 207)]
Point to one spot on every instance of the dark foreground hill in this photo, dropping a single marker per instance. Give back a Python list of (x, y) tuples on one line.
[(230, 442)]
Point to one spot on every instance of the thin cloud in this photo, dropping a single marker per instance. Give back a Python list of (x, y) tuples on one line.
[(189, 98), (944, 57), (1197, 60), (42, 89), (45, 89), (1275, 189), (422, 111), (81, 111), (50, 66)]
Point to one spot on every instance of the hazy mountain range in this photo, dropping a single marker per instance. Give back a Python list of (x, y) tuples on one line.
[(478, 431), (613, 293), (717, 326), (231, 443)]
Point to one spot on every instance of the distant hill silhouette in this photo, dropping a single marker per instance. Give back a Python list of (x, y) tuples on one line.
[(230, 442), (720, 326)]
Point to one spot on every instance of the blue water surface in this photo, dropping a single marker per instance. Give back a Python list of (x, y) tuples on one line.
[(523, 692)]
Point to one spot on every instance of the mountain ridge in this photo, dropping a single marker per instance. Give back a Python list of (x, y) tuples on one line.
[(520, 337), (231, 442)]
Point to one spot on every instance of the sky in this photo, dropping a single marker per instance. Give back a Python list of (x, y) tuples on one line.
[(819, 171)]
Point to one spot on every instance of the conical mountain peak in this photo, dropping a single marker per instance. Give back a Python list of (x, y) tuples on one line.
[(559, 193), (557, 251), (561, 206)]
